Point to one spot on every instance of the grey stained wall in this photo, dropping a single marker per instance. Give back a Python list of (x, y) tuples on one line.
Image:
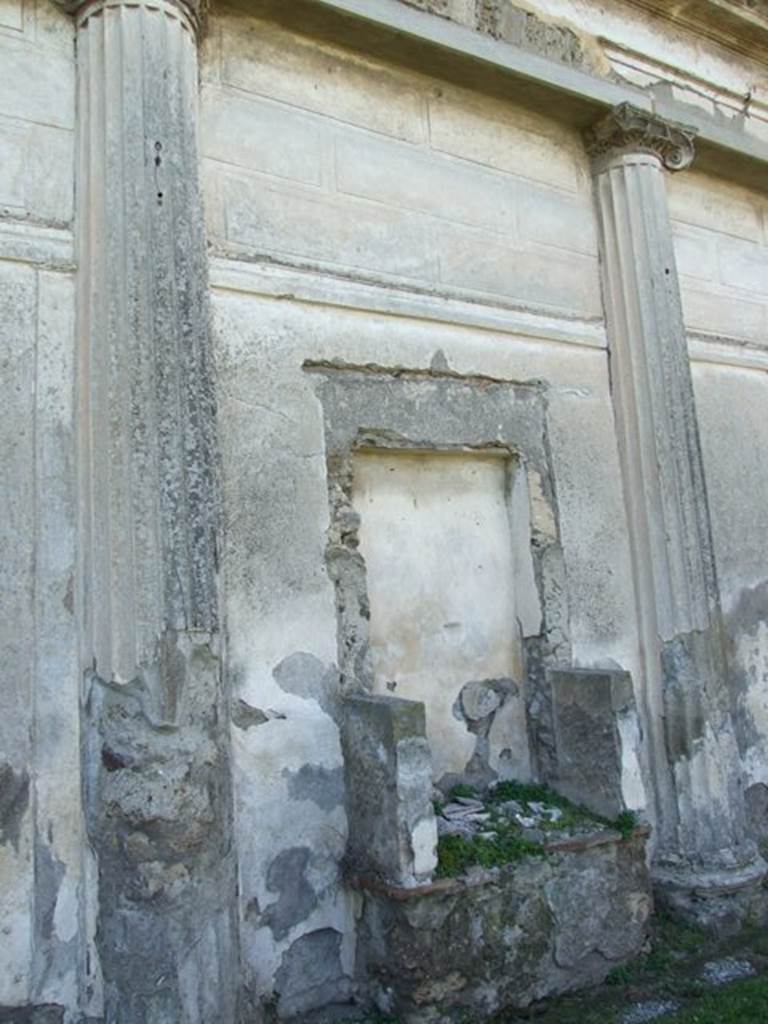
[(366, 223), (367, 217), (362, 215), (44, 860)]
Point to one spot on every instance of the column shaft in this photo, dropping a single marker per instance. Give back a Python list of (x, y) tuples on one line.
[(693, 757), (156, 759)]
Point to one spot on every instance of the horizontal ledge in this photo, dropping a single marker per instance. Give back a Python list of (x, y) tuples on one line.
[(492, 876), (456, 309), (703, 348), (436, 46), (38, 244)]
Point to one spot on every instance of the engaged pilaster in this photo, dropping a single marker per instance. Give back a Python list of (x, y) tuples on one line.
[(692, 753), (156, 762)]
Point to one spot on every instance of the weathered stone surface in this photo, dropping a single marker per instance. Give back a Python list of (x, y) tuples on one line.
[(391, 416), (692, 754), (293, 121), (14, 798), (478, 700), (40, 1014), (311, 975), (722, 972), (651, 1009), (585, 705), (158, 790), (505, 938), (392, 829), (159, 805)]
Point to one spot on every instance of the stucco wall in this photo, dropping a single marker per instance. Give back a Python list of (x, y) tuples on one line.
[(319, 156), (721, 239), (42, 849), (358, 214)]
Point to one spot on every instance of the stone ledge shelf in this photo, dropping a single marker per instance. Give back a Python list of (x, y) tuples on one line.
[(506, 937)]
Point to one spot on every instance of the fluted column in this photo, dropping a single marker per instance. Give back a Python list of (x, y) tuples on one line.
[(701, 841), (156, 760)]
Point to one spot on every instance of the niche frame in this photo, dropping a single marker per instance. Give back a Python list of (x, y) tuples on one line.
[(367, 408)]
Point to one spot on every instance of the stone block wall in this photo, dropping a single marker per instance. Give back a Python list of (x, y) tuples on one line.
[(37, 113), (44, 872), (315, 156), (721, 247), (722, 252)]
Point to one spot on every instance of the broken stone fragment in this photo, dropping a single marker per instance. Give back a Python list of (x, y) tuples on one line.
[(533, 835), (454, 828), (457, 811), (722, 972), (470, 801), (525, 822), (511, 807), (478, 700), (477, 818), (652, 1009)]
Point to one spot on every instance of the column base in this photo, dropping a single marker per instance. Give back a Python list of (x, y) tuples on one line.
[(721, 900)]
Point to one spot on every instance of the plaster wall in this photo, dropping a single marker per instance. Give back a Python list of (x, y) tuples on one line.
[(436, 535), (43, 914), (722, 251), (316, 156), (721, 248), (358, 215)]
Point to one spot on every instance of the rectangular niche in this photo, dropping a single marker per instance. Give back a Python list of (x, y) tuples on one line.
[(439, 536)]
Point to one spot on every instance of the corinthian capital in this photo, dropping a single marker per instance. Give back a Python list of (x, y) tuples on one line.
[(628, 129)]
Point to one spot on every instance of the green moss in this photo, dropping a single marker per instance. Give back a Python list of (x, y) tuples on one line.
[(738, 1003), (619, 975), (573, 815), (457, 853), (463, 790), (626, 823)]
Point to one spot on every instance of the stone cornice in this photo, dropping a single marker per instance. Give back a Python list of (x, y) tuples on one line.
[(740, 25), (628, 129)]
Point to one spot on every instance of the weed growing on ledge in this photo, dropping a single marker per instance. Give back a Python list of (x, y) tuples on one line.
[(503, 840), (457, 853), (573, 815)]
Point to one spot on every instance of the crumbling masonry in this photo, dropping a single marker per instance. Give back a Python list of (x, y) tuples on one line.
[(384, 391)]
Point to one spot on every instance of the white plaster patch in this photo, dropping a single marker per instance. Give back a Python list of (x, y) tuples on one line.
[(424, 847), (632, 787), (752, 654), (436, 538)]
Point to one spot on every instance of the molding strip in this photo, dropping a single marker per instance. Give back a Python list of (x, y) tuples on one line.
[(38, 244), (457, 309)]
